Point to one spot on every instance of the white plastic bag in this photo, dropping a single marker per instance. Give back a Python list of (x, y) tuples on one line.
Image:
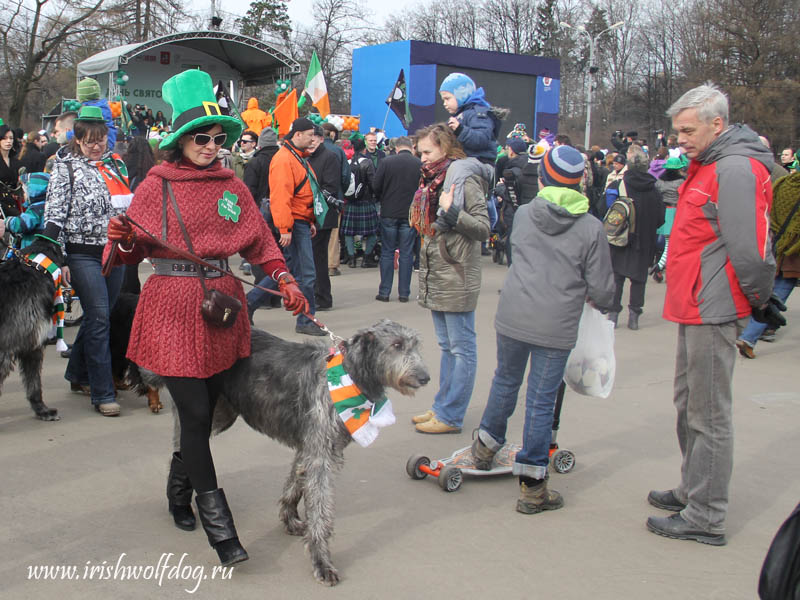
[(591, 365)]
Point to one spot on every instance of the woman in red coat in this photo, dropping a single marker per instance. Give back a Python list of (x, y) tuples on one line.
[(170, 336)]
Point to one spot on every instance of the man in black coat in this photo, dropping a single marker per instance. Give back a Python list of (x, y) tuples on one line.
[(395, 183), (256, 178), (329, 175), (334, 249)]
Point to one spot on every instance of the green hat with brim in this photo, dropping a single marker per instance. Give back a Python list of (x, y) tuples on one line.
[(90, 114), (191, 96)]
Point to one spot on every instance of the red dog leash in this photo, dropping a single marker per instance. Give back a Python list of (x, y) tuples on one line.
[(199, 261)]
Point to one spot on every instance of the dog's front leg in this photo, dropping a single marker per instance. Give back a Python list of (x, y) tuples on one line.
[(30, 367), (292, 492), (319, 516)]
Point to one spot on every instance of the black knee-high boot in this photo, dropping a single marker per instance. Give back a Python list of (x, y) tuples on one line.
[(217, 520), (179, 494)]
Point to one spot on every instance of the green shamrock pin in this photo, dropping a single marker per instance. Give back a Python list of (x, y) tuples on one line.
[(227, 207)]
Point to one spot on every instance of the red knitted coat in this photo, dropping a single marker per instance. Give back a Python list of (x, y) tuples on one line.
[(169, 335)]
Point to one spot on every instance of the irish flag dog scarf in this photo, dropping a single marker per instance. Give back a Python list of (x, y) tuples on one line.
[(362, 417)]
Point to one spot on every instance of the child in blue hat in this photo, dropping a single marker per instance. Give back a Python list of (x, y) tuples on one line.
[(476, 124)]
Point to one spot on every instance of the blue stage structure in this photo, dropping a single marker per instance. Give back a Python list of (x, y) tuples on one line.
[(527, 85)]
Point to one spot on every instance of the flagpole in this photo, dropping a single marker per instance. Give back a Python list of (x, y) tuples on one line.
[(388, 108)]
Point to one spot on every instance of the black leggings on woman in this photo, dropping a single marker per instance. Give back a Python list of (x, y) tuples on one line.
[(195, 400)]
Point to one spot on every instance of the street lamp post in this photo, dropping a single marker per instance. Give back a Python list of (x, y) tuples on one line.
[(592, 71)]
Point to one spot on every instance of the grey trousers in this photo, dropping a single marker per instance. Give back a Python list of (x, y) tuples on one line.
[(703, 398)]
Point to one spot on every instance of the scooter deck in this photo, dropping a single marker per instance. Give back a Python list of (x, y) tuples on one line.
[(502, 463)]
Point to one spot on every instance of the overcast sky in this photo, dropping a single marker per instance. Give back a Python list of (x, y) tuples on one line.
[(299, 10)]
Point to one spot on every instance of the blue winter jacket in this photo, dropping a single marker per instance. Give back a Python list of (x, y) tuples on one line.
[(478, 127)]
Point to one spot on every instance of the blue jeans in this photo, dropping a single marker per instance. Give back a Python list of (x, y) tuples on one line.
[(455, 332), (90, 361), (299, 256), (396, 234), (783, 287), (546, 373)]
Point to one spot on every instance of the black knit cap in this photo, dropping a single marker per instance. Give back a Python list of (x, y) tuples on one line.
[(301, 124)]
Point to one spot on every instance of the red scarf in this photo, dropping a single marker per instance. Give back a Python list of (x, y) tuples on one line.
[(426, 198)]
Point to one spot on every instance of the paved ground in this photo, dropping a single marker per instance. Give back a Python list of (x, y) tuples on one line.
[(86, 489)]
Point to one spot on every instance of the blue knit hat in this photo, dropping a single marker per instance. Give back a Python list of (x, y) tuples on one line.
[(36, 185), (460, 85), (562, 166)]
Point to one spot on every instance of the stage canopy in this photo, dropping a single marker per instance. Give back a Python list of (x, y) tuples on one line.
[(255, 61)]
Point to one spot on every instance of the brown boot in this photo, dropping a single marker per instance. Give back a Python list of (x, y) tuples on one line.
[(482, 456), (536, 498)]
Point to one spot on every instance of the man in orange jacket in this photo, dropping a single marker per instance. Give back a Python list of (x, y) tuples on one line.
[(255, 118), (291, 205)]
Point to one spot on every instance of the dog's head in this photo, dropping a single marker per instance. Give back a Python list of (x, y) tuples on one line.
[(386, 355), (47, 247)]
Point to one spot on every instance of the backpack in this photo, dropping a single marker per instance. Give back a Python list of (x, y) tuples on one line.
[(358, 187), (620, 220)]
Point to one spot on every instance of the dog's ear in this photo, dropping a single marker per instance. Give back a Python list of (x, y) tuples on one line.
[(364, 341)]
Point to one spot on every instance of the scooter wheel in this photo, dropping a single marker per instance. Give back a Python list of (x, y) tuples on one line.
[(413, 465), (450, 478), (563, 461)]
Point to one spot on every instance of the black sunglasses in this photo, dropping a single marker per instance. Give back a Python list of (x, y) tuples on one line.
[(246, 141), (202, 139)]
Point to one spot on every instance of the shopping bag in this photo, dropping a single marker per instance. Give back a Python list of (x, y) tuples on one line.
[(591, 365)]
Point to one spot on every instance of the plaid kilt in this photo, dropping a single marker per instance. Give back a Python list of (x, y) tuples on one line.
[(360, 218)]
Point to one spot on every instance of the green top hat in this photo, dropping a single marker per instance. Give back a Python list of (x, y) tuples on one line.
[(191, 96), (91, 114)]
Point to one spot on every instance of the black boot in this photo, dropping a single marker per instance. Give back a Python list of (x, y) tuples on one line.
[(633, 320), (179, 494), (217, 520), (351, 261), (613, 316)]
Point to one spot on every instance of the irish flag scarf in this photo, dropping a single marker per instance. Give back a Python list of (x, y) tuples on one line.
[(115, 175), (53, 269), (362, 417)]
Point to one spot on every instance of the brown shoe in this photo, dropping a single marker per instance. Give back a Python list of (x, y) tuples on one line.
[(434, 425), (745, 349), (536, 498), (426, 416)]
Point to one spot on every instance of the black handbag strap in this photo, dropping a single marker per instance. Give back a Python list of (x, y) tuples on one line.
[(167, 190)]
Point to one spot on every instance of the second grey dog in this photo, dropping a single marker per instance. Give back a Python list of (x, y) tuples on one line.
[(281, 390), (26, 298)]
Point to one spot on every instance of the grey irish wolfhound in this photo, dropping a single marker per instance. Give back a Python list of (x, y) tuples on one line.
[(26, 298), (281, 391)]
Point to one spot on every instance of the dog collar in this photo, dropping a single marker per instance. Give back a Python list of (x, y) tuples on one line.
[(360, 416)]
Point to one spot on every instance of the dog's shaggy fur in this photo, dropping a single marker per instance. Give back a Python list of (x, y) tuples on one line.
[(281, 391), (26, 298)]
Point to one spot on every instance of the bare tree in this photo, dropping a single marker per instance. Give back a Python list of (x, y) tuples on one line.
[(31, 41)]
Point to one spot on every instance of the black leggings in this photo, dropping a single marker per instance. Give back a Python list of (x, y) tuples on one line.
[(195, 400)]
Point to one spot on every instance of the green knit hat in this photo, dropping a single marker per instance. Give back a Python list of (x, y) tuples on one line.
[(88, 89), (191, 96), (91, 114), (674, 163)]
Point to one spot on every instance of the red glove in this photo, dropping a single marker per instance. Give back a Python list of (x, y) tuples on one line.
[(294, 300), (120, 230)]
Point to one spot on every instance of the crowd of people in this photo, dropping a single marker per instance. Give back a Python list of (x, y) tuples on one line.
[(695, 211)]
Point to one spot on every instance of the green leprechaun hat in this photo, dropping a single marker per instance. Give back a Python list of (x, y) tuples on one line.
[(191, 96), (90, 114)]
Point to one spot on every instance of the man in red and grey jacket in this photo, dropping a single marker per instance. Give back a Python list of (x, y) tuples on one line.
[(720, 270)]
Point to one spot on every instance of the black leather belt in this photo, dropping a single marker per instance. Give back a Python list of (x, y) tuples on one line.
[(184, 268)]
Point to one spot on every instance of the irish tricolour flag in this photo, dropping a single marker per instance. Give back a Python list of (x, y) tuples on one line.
[(315, 87)]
